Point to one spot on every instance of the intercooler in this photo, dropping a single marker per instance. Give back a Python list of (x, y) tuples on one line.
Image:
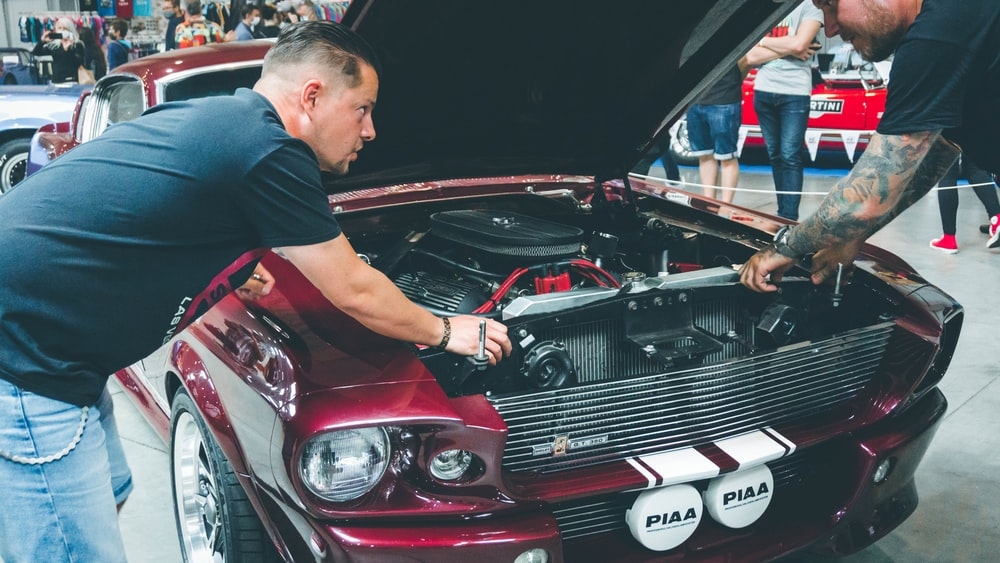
[(627, 405)]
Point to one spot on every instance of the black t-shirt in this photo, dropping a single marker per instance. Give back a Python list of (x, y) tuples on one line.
[(104, 251), (946, 75), (725, 90), (65, 62)]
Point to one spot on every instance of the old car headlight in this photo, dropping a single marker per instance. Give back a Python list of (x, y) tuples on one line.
[(343, 465)]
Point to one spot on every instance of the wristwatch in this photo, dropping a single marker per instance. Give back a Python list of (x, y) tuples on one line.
[(781, 243)]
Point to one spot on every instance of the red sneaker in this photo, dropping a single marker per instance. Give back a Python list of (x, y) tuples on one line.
[(947, 244), (994, 232)]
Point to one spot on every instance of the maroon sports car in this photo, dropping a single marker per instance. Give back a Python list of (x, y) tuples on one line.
[(653, 408)]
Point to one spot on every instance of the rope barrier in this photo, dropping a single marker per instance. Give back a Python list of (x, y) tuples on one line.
[(685, 184)]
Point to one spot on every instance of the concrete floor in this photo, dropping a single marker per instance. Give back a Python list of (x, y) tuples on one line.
[(958, 519)]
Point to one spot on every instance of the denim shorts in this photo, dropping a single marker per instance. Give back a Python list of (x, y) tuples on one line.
[(714, 129), (66, 477)]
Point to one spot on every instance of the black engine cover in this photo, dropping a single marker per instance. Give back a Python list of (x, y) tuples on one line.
[(507, 233)]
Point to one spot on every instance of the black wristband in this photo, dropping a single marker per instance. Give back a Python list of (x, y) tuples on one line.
[(447, 333)]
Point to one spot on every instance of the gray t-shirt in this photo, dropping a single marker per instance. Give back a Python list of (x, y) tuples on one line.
[(789, 75)]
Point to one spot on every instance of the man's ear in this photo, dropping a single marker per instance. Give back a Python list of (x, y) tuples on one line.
[(310, 93)]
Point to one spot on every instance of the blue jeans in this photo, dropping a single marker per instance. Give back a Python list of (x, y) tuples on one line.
[(63, 509), (783, 119), (714, 129)]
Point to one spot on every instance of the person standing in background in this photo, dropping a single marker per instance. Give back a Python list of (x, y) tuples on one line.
[(197, 30), (118, 47), (175, 15), (713, 126), (984, 189), (249, 19), (305, 10), (269, 21), (781, 100), (93, 56), (67, 53)]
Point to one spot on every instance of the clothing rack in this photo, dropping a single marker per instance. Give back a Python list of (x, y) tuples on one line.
[(32, 25)]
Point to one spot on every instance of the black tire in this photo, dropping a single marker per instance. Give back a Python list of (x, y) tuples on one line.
[(680, 147), (215, 520), (13, 162)]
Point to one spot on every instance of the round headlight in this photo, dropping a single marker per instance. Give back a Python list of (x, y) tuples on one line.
[(343, 465)]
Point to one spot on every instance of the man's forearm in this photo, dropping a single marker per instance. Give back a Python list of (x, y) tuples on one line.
[(893, 173)]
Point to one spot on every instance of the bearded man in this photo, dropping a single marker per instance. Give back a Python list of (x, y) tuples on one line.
[(943, 99)]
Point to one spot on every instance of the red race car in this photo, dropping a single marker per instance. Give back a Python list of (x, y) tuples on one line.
[(844, 111)]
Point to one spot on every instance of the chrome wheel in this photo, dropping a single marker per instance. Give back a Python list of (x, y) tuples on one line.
[(216, 522), (196, 494)]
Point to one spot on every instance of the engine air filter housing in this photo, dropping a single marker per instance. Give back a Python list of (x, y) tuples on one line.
[(507, 233)]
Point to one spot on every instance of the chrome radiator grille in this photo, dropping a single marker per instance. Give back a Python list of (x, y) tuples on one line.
[(620, 418)]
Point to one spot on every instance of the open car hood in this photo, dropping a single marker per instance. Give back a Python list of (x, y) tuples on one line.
[(472, 88)]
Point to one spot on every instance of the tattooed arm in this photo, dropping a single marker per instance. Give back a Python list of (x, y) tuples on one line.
[(893, 172)]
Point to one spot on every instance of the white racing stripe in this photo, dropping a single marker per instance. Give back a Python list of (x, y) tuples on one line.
[(752, 449), (686, 465), (782, 439), (678, 466)]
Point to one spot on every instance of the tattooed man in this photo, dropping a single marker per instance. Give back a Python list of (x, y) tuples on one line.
[(943, 98)]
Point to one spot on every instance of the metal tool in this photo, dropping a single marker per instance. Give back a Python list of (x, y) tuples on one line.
[(836, 297), (481, 359)]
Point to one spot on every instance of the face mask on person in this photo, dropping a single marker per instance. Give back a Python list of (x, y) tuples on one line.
[(168, 14), (255, 21), (67, 34)]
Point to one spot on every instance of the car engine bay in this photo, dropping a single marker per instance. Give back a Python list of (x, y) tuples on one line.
[(586, 303)]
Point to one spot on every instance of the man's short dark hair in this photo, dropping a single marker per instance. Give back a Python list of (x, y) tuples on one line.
[(247, 9), (267, 12), (323, 43), (194, 8), (120, 26)]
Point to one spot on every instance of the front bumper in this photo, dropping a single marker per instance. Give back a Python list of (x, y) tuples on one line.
[(833, 507)]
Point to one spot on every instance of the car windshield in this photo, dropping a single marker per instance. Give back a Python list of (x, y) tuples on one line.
[(217, 83)]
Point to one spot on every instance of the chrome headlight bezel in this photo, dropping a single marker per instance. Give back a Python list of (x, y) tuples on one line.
[(343, 465)]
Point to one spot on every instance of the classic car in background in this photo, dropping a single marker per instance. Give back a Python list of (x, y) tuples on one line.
[(23, 109), (653, 408), (127, 91), (17, 67), (844, 110)]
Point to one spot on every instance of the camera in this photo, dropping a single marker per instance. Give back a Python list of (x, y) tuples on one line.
[(54, 35)]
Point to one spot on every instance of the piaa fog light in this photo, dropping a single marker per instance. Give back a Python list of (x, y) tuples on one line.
[(343, 465), (739, 499), (450, 464)]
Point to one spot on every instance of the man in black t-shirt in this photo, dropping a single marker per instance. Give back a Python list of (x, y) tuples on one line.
[(943, 98), (109, 250)]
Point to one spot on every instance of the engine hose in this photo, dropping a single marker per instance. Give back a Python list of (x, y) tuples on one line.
[(458, 265)]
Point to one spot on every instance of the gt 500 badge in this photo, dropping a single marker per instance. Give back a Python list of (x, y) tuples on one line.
[(562, 445)]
